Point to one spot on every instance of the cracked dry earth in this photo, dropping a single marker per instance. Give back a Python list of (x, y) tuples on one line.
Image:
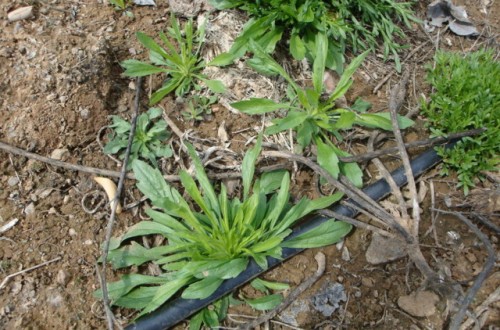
[(61, 79)]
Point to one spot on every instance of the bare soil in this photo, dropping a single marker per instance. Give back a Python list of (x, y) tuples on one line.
[(60, 79)]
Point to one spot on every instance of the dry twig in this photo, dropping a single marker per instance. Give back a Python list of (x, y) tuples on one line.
[(6, 279), (111, 221)]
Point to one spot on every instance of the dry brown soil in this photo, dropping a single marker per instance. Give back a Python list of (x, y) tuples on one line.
[(60, 79)]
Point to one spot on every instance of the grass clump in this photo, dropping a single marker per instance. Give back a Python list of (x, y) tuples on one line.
[(466, 96), (214, 240), (346, 23)]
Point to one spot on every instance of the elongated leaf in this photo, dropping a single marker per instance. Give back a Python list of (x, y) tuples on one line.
[(329, 232), (223, 59), (135, 68), (128, 282), (167, 88), (271, 181), (403, 121), (215, 86), (191, 188), (297, 47), (202, 288), (150, 44), (258, 106), (327, 158), (345, 80), (319, 61), (345, 121), (248, 166), (150, 182), (292, 119), (266, 302), (137, 298), (165, 292), (224, 269), (147, 228), (202, 178), (136, 254), (263, 285), (225, 4), (166, 220)]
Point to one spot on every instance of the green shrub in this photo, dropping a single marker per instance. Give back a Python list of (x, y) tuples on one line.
[(466, 96), (346, 23)]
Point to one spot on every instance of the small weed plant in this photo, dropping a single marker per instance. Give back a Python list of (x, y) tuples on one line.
[(466, 96), (198, 107), (179, 58), (123, 6), (214, 240), (312, 117), (150, 133), (346, 23)]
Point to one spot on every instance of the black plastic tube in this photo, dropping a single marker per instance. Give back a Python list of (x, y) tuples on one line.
[(179, 309)]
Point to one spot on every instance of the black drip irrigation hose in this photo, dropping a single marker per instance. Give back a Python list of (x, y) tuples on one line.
[(179, 309)]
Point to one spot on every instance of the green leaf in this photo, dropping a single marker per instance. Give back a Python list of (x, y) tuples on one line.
[(329, 232), (150, 44), (262, 285), (297, 47), (150, 182), (137, 298), (266, 302), (196, 321), (271, 181), (327, 158), (223, 59), (258, 106), (146, 228), (345, 121), (345, 80), (167, 88), (319, 61), (215, 86), (165, 292), (128, 282), (135, 68), (403, 122), (292, 119), (222, 269), (248, 166), (202, 289), (203, 180)]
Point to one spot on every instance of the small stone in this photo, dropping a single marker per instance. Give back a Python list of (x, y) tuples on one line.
[(51, 97), (20, 14), (345, 254), (383, 249), (88, 242), (13, 180), (419, 304), (131, 85), (71, 232), (368, 282), (58, 154), (62, 277), (30, 209)]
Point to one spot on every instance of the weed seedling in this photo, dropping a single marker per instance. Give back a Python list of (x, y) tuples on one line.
[(313, 118), (198, 107), (179, 58), (148, 140)]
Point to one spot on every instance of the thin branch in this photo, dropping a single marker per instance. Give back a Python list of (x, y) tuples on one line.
[(8, 277), (320, 259), (490, 263), (396, 100), (111, 221), (356, 223), (388, 177)]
